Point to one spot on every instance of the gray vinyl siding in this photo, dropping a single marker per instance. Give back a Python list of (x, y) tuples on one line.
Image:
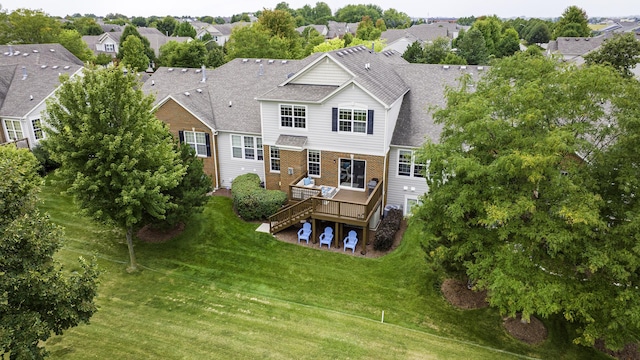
[(326, 72), (395, 192), (231, 167), (318, 132), (392, 119)]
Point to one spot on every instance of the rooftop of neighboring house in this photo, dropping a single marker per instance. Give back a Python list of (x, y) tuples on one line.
[(422, 33), (575, 46), (321, 29), (30, 73), (338, 29)]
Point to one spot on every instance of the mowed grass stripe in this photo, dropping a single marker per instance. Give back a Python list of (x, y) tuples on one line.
[(236, 325)]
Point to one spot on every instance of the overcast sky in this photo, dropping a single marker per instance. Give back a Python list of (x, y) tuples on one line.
[(414, 8)]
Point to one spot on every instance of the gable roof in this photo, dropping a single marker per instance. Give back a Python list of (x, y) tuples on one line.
[(428, 84), (30, 74), (227, 98), (371, 71), (338, 29), (575, 46), (422, 33)]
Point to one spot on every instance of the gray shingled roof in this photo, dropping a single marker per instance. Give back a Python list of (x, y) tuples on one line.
[(338, 29), (20, 94), (237, 82), (428, 84), (422, 32), (379, 78), (297, 92), (576, 46), (291, 141)]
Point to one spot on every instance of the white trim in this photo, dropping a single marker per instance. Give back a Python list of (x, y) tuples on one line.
[(364, 187), (412, 165), (271, 158), (13, 130), (195, 142), (243, 147)]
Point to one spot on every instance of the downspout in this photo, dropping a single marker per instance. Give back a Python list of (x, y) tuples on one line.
[(215, 160)]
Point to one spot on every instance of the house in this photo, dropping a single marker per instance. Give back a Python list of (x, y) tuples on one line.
[(29, 75), (336, 131), (109, 42), (321, 29), (400, 39), (220, 33), (570, 48), (337, 29)]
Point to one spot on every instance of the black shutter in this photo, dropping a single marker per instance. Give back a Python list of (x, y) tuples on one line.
[(181, 136), (334, 119), (208, 142), (370, 122)]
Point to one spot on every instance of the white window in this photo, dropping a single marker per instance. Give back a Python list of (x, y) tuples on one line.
[(274, 157), (313, 162), (407, 165), (197, 140), (110, 47), (352, 120), (247, 147), (37, 129), (409, 202), (14, 129), (293, 116)]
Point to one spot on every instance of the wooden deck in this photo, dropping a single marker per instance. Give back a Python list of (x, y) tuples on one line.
[(344, 208)]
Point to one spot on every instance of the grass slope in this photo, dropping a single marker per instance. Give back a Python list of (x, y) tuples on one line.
[(222, 290)]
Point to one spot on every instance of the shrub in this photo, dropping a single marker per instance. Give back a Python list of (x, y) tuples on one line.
[(387, 230), (251, 201), (46, 164)]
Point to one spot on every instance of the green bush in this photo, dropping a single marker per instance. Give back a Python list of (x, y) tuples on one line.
[(46, 164), (251, 201), (387, 230)]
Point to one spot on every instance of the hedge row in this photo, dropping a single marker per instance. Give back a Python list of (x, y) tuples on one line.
[(387, 230), (251, 201)]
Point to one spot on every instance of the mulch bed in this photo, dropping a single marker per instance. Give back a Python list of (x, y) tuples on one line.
[(151, 235), (534, 332), (459, 295), (628, 352)]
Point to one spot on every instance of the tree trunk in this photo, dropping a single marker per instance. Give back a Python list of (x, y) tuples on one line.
[(132, 256)]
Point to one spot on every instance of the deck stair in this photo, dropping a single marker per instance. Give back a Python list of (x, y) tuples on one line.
[(290, 215)]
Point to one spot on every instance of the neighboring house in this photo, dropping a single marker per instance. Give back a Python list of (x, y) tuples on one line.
[(109, 42), (400, 39), (219, 32), (336, 131), (338, 29), (29, 75), (321, 29), (571, 48)]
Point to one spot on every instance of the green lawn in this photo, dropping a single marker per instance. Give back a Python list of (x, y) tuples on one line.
[(222, 290)]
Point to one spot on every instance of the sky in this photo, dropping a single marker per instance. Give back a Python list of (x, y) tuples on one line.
[(413, 8)]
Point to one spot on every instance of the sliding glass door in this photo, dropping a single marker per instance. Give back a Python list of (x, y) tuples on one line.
[(352, 173)]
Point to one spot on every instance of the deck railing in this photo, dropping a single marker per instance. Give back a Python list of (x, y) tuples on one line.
[(348, 209), (20, 143)]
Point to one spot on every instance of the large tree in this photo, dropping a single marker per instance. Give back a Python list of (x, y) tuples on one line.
[(132, 30), (133, 56), (116, 155), (622, 52), (572, 23), (472, 47), (273, 36), (185, 29), (37, 298), (191, 54), (355, 13), (533, 193), (396, 20), (72, 41), (32, 27)]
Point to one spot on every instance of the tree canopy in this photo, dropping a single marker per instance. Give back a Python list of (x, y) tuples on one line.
[(36, 297), (622, 52), (532, 193), (573, 23), (118, 158), (191, 54), (355, 13)]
